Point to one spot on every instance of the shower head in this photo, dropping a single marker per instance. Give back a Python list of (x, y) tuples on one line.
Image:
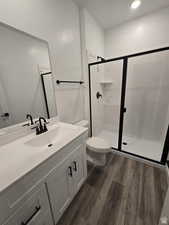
[(102, 59)]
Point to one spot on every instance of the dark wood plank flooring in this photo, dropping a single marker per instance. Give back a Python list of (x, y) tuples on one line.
[(125, 192)]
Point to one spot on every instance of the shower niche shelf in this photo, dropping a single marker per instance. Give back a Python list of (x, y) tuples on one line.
[(104, 82)]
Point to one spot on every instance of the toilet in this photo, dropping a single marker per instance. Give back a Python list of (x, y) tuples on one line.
[(97, 148)]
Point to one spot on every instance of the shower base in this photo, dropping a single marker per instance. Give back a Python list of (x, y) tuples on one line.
[(142, 147)]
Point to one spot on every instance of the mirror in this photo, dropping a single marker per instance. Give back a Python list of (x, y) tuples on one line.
[(26, 81)]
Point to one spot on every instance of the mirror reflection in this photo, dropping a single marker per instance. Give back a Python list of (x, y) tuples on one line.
[(23, 87)]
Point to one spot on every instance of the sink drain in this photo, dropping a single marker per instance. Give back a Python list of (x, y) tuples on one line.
[(50, 145)]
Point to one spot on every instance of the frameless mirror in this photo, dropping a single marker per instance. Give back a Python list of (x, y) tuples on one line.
[(26, 81)]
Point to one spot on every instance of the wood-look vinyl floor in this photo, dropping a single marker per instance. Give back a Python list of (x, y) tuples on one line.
[(125, 192)]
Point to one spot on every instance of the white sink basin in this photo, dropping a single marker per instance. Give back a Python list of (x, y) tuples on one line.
[(26, 153), (47, 139)]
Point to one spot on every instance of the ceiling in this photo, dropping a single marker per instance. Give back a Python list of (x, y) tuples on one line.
[(113, 12)]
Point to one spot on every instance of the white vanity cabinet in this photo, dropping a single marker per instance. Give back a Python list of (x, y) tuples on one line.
[(65, 180), (41, 196), (60, 188), (78, 163), (34, 211)]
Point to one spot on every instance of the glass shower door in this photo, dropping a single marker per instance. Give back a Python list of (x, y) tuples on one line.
[(106, 82), (147, 102)]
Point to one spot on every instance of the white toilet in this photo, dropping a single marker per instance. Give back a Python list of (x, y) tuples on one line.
[(97, 148)]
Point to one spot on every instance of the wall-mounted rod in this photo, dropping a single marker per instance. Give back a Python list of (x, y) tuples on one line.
[(70, 82), (47, 73)]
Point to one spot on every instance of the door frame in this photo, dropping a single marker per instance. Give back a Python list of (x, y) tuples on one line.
[(122, 104)]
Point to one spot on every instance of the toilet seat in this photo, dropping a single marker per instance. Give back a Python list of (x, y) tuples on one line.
[(98, 145)]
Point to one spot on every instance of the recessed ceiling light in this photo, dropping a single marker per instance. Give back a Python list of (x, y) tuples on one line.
[(135, 4)]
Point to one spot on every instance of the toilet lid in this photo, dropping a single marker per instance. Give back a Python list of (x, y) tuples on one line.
[(98, 145)]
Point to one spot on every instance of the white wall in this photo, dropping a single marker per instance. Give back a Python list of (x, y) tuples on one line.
[(92, 37), (145, 33), (56, 21)]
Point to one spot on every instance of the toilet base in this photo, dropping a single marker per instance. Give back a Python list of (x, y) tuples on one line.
[(98, 159)]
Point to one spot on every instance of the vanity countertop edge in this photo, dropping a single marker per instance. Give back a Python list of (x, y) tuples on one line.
[(9, 176)]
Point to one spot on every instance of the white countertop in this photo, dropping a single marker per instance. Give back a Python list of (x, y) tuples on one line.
[(18, 159)]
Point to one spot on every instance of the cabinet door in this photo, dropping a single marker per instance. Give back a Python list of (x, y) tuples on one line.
[(78, 166), (35, 211), (60, 188), (45, 220)]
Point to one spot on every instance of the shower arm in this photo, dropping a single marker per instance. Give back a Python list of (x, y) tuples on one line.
[(102, 59)]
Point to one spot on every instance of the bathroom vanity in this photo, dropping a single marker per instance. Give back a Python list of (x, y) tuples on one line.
[(41, 174)]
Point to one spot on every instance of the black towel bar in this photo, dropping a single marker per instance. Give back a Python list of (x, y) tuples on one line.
[(70, 82)]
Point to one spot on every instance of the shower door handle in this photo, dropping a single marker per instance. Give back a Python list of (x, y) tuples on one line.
[(124, 110)]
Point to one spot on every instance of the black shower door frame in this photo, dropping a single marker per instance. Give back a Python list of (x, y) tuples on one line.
[(122, 103)]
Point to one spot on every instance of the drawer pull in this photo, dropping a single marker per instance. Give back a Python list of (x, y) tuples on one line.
[(37, 209), (70, 171), (75, 166)]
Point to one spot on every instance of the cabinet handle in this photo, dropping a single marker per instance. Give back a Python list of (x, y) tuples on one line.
[(75, 166), (37, 209), (70, 171)]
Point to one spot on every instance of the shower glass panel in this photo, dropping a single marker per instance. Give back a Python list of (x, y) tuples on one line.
[(147, 102), (106, 81)]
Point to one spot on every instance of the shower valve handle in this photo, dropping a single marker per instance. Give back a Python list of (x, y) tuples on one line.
[(124, 109), (98, 95), (5, 115)]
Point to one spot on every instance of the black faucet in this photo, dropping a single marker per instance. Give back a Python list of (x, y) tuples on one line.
[(28, 116), (41, 128)]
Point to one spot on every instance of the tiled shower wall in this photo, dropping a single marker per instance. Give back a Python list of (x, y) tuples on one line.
[(147, 97), (112, 95), (97, 75)]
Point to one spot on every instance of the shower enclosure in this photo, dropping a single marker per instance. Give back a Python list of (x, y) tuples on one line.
[(129, 103)]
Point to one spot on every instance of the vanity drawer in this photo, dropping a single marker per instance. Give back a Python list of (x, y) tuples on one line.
[(33, 210), (44, 219)]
